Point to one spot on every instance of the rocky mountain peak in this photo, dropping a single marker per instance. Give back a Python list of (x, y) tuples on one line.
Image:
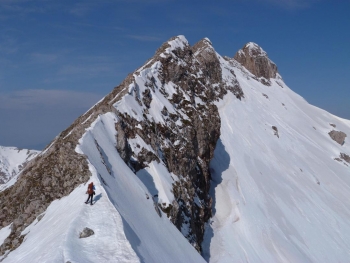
[(203, 44), (178, 42), (185, 137), (163, 106), (254, 49), (173, 44), (255, 59)]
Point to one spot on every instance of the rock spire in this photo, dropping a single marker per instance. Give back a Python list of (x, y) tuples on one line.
[(255, 59)]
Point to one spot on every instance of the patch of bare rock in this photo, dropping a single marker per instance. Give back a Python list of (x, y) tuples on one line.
[(274, 128), (255, 59), (338, 136), (86, 233)]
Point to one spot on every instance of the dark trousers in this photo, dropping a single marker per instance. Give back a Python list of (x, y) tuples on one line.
[(90, 196)]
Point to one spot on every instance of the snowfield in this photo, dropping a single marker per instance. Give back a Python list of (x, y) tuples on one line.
[(126, 225), (278, 199), (12, 160), (278, 193)]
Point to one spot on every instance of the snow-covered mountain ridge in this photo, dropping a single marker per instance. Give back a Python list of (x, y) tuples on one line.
[(13, 160), (196, 146)]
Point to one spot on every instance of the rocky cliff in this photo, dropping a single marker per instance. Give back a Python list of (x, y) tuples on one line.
[(183, 137), (255, 59), (189, 136)]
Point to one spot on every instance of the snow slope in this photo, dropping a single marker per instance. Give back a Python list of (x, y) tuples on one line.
[(127, 227), (12, 160), (278, 193), (55, 238), (278, 199)]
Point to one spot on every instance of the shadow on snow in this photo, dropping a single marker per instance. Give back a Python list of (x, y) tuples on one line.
[(218, 165)]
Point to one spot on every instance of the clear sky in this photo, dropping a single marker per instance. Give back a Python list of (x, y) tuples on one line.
[(57, 58)]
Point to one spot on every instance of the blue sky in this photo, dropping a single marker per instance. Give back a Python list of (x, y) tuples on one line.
[(57, 58)]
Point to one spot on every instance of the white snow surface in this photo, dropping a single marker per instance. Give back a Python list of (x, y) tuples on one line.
[(12, 160), (55, 238), (278, 199), (275, 199), (126, 225), (158, 181), (4, 233)]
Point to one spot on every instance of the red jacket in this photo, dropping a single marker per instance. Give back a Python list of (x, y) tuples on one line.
[(90, 189)]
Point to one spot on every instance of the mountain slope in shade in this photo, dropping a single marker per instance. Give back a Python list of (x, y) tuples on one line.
[(193, 151), (13, 160)]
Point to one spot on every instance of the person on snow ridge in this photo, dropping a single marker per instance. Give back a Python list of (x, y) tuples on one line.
[(90, 191)]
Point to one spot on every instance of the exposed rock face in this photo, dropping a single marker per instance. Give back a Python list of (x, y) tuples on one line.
[(345, 157), (255, 59), (48, 178), (122, 142), (338, 136), (3, 177), (184, 140)]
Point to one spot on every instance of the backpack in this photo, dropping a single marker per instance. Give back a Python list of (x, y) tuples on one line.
[(90, 189)]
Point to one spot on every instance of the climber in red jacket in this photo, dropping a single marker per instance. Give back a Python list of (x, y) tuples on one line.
[(90, 191)]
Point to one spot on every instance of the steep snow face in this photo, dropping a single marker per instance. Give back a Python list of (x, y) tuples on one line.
[(127, 223), (162, 120), (158, 133), (150, 233), (280, 189), (12, 161), (280, 176)]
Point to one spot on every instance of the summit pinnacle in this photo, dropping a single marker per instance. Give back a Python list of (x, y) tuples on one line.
[(255, 59)]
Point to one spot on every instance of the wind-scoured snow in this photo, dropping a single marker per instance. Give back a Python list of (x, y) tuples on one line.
[(278, 199)]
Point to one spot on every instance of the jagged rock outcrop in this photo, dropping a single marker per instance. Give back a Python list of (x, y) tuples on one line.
[(255, 59), (345, 157), (338, 136), (183, 137)]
